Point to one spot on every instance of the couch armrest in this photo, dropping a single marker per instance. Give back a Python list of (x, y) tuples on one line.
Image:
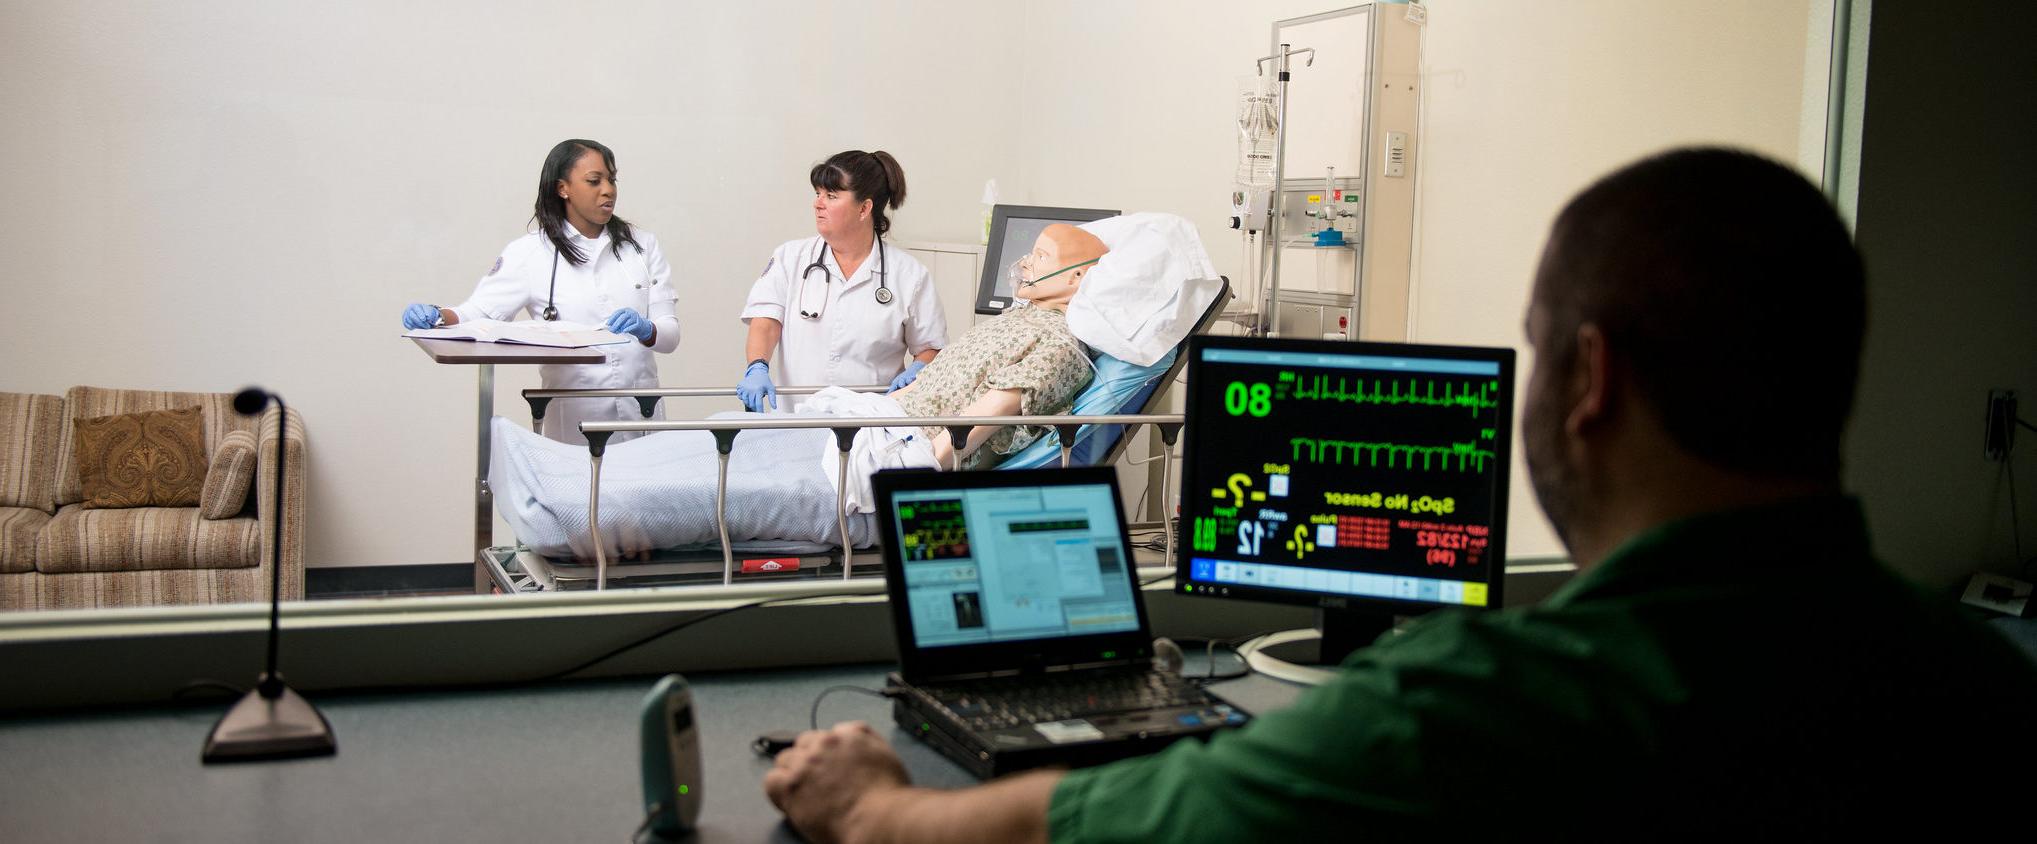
[(292, 517)]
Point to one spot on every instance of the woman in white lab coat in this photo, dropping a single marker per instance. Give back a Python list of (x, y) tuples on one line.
[(842, 307), (582, 265)]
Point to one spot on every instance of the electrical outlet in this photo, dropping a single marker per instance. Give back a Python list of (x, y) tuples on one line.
[(1397, 154), (1999, 435)]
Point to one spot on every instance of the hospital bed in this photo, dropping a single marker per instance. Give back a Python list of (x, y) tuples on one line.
[(1097, 431)]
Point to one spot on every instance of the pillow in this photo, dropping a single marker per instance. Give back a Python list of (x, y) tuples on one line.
[(152, 459), (230, 476), (1116, 383), (1148, 292)]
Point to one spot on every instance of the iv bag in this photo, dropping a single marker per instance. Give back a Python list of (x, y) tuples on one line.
[(1257, 124)]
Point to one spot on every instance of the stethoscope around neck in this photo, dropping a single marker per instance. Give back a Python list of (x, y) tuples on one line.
[(820, 263), (551, 312)]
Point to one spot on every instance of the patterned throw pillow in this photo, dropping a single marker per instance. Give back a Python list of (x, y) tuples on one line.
[(231, 475), (152, 459)]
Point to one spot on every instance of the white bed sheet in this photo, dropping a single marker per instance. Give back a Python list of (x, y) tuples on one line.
[(657, 492)]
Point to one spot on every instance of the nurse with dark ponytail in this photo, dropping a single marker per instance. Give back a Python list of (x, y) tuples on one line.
[(842, 307)]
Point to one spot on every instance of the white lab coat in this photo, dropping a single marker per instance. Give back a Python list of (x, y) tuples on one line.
[(587, 293), (856, 340)]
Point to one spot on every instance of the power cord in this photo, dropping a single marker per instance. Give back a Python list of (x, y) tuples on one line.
[(769, 745), (2015, 512), (1210, 674), (1155, 539), (2016, 521), (555, 675), (647, 639), (813, 715), (650, 814)]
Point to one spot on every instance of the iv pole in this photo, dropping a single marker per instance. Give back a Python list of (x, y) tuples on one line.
[(1269, 285)]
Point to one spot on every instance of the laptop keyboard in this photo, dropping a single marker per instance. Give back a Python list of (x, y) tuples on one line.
[(1013, 701)]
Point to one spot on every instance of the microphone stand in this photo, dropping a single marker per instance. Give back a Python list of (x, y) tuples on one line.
[(272, 721)]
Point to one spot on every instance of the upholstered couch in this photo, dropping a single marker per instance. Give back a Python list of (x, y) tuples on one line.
[(56, 553)]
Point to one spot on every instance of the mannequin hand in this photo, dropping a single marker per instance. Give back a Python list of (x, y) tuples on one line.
[(756, 388), (911, 372), (420, 316), (628, 321)]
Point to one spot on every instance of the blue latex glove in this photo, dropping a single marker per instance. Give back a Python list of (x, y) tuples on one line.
[(904, 378), (756, 388), (628, 321), (420, 315)]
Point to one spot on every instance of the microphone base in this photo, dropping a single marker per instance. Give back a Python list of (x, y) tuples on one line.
[(259, 728)]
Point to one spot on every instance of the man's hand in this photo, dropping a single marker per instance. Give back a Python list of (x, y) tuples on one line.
[(822, 780)]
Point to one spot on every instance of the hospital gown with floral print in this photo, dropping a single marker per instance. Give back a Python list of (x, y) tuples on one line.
[(1028, 349)]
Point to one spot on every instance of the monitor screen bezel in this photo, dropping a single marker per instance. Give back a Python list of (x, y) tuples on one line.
[(1503, 456), (1000, 218), (953, 661)]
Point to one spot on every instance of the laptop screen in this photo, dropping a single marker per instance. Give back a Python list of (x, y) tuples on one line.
[(987, 565)]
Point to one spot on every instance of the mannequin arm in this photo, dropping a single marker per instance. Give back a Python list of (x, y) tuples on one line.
[(993, 403)]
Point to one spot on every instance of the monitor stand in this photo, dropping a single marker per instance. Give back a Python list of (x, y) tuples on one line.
[(1308, 656)]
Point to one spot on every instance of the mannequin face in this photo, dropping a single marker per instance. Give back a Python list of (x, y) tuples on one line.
[(1059, 247)]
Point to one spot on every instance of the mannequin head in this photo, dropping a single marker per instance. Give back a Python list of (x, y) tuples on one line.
[(1060, 247)]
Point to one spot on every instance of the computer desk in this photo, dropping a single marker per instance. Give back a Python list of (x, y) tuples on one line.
[(543, 763)]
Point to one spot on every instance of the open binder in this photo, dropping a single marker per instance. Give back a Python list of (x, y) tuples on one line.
[(563, 335)]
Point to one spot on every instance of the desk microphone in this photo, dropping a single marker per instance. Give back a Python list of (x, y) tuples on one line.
[(671, 761), (272, 721)]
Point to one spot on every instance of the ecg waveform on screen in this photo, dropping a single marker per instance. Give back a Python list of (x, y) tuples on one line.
[(1458, 457), (1475, 397), (933, 530)]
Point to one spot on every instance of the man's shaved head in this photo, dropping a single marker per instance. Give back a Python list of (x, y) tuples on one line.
[(1734, 291)]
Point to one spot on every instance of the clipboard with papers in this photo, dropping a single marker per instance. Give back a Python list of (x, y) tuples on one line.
[(562, 335)]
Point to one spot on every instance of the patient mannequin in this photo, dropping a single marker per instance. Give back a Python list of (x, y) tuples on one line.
[(1022, 362)]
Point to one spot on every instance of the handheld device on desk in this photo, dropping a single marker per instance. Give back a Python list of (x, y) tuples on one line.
[(671, 760)]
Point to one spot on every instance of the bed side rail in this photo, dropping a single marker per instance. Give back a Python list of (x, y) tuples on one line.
[(647, 397), (844, 428)]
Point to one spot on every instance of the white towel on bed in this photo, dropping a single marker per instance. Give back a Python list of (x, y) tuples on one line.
[(874, 449)]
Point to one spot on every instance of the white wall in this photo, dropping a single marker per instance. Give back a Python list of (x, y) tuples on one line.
[(1536, 100), (221, 193), (1525, 104), (246, 192)]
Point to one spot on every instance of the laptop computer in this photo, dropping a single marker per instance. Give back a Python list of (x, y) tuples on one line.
[(1022, 637)]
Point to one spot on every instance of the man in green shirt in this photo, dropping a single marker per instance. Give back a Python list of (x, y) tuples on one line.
[(1731, 660)]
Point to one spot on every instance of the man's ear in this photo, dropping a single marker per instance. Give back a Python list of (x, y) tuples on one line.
[(1590, 381)]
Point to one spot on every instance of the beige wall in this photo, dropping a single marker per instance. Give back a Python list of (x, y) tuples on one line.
[(219, 193), (1525, 104), (229, 193)]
